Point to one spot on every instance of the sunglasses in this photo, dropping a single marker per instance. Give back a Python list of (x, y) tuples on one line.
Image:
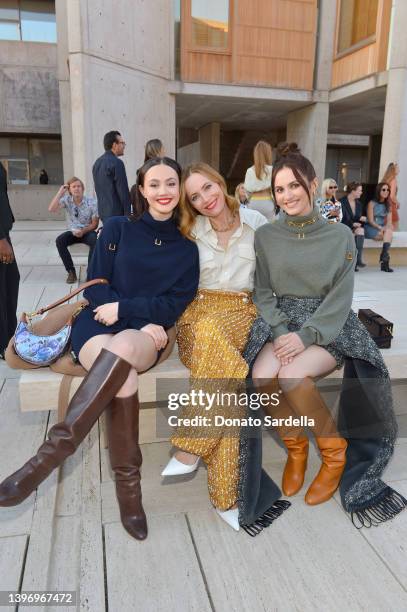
[(76, 213), (385, 189)]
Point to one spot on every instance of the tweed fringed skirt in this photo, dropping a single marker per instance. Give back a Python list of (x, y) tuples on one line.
[(365, 405), (212, 334)]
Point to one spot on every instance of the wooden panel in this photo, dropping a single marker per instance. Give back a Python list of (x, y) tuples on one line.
[(355, 65), (273, 44), (369, 59), (208, 68)]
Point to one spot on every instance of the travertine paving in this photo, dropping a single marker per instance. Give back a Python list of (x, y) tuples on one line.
[(68, 536)]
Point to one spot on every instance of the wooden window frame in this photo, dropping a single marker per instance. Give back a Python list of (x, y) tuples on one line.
[(186, 31), (370, 40)]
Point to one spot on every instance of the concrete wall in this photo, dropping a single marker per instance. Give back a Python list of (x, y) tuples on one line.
[(189, 154), (120, 62), (29, 98), (394, 143), (30, 202)]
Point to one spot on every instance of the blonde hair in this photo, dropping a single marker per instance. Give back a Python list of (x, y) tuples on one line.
[(390, 173), (324, 187), (237, 194), (74, 179), (188, 213), (263, 156)]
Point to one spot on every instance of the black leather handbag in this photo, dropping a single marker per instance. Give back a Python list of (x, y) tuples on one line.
[(378, 327)]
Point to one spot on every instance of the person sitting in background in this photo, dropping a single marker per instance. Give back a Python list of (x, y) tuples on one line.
[(257, 182), (352, 216), (82, 218), (44, 177), (330, 208), (379, 223), (390, 177), (153, 148), (241, 195)]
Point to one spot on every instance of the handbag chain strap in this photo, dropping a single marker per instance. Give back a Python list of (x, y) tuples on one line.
[(40, 311)]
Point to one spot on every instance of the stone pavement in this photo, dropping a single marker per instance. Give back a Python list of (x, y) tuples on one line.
[(68, 536)]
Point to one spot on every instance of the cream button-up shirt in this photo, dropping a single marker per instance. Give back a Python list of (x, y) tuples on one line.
[(230, 269)]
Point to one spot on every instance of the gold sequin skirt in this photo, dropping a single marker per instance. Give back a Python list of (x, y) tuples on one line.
[(212, 334)]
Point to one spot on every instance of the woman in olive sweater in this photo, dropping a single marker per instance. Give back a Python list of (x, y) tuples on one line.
[(303, 291)]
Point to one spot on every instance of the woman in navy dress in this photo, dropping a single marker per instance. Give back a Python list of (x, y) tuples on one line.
[(153, 273)]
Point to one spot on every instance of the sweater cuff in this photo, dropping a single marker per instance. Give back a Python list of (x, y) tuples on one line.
[(125, 308), (279, 330), (307, 335)]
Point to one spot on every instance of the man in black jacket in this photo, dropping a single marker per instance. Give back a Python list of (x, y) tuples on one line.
[(109, 176), (9, 274)]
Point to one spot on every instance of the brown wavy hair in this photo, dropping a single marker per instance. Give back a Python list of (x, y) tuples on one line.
[(188, 213), (378, 194)]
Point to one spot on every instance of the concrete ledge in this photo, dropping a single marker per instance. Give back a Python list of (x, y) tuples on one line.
[(398, 251), (39, 389), (399, 241)]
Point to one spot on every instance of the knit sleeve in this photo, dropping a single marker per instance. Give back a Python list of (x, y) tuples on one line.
[(102, 263), (329, 318), (165, 309), (264, 297)]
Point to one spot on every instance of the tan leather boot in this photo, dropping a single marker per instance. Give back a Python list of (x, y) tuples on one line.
[(306, 400), (294, 471), (122, 420), (293, 437), (324, 485), (108, 373)]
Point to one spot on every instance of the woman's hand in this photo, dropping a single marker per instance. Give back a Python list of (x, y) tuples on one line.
[(157, 333), (107, 314), (363, 219), (355, 225), (287, 346)]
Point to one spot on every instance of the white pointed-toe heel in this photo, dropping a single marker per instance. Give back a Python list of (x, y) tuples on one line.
[(176, 468), (231, 517)]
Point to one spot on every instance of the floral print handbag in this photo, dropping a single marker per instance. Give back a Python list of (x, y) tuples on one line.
[(44, 350)]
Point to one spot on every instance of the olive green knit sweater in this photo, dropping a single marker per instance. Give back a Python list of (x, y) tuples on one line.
[(305, 257)]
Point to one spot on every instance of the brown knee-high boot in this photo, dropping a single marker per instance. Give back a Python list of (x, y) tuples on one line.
[(108, 373), (293, 437), (306, 400), (122, 420)]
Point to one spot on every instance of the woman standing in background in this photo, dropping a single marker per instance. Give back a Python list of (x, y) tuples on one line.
[(257, 182), (390, 177)]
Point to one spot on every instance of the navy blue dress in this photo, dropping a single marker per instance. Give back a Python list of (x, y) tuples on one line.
[(153, 272)]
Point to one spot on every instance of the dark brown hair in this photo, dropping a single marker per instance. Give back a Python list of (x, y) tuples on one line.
[(289, 156), (377, 194), (352, 186), (139, 202)]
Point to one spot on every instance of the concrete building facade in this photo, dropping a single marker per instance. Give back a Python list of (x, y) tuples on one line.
[(208, 78)]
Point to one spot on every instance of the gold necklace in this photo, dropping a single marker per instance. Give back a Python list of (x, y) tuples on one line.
[(224, 229), (301, 225)]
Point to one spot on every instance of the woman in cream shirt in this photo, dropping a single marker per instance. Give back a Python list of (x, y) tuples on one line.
[(257, 182), (213, 331)]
